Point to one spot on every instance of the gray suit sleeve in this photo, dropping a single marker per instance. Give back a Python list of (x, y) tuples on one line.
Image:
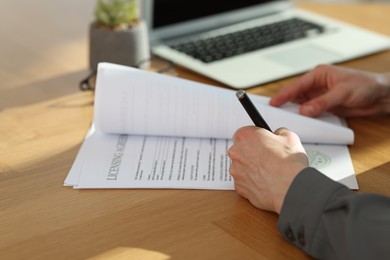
[(329, 221)]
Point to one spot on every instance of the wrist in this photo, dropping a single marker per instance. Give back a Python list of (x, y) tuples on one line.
[(285, 183)]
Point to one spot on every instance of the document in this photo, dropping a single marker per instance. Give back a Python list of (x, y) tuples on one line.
[(157, 131)]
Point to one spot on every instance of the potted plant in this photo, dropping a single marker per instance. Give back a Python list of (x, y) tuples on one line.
[(118, 34)]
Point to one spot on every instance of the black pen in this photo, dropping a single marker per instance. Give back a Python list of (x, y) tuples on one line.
[(257, 119)]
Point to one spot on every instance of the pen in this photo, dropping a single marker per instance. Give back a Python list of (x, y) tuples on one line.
[(257, 119)]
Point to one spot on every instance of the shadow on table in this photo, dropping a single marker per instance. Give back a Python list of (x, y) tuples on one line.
[(42, 90)]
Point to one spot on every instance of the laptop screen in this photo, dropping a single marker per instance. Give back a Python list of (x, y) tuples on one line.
[(168, 12)]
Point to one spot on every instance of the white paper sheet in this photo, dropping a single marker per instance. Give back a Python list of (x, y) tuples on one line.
[(124, 161), (139, 102)]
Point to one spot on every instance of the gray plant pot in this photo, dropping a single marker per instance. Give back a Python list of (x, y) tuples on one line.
[(128, 47)]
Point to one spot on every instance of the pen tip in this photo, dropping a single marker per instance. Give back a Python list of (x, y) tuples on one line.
[(240, 93)]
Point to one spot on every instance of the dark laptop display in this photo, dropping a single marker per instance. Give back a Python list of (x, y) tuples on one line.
[(169, 12)]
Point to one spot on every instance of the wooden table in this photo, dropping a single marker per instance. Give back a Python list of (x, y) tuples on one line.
[(43, 118)]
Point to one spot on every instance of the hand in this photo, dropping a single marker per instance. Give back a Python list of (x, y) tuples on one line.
[(345, 92), (264, 164)]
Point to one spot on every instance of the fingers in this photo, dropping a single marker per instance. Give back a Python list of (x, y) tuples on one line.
[(295, 89), (317, 78), (286, 133), (247, 132), (320, 104), (242, 132), (289, 136)]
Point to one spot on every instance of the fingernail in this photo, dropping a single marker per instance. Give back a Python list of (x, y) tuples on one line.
[(307, 110)]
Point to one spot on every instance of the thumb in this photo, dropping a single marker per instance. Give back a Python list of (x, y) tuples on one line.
[(282, 131), (291, 137)]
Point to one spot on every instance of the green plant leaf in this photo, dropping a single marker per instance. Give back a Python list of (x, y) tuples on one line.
[(117, 13)]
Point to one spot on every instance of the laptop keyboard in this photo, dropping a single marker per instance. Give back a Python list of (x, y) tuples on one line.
[(228, 45)]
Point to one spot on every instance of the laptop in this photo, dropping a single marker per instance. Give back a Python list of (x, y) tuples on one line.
[(246, 43)]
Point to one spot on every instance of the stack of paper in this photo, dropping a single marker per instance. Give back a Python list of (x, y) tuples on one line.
[(157, 131)]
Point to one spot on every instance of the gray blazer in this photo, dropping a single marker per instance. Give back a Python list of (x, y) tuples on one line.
[(329, 221)]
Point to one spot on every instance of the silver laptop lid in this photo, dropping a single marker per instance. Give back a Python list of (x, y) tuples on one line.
[(172, 19)]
